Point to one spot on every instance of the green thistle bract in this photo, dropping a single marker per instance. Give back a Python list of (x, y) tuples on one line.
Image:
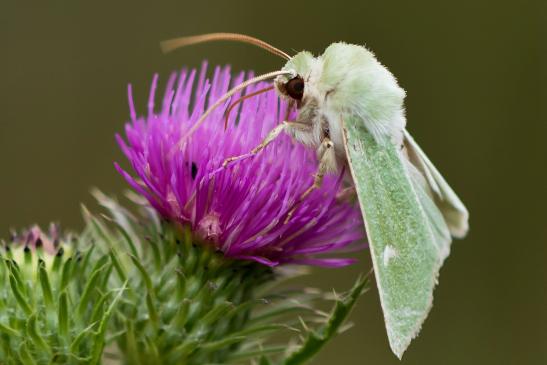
[(186, 303), (55, 300), (138, 290)]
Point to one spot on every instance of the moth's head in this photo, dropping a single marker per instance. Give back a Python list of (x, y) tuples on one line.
[(293, 85), (289, 81)]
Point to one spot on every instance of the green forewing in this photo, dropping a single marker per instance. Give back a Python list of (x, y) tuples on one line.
[(407, 236)]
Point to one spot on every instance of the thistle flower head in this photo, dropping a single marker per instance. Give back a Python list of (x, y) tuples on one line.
[(52, 292), (30, 246), (241, 209), (35, 238)]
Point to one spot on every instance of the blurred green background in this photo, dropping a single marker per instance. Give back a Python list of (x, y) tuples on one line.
[(475, 73)]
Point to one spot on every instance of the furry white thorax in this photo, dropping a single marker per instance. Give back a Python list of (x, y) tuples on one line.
[(347, 80)]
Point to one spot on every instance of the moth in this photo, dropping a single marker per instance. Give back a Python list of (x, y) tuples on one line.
[(350, 109)]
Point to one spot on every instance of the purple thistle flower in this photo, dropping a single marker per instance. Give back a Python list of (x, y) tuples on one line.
[(241, 209), (34, 238)]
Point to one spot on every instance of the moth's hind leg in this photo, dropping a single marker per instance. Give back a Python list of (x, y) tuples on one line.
[(348, 194), (327, 163)]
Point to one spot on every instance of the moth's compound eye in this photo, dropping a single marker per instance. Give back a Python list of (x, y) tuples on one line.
[(295, 88)]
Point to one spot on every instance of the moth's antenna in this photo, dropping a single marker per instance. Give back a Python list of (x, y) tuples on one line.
[(172, 44), (240, 100), (225, 97)]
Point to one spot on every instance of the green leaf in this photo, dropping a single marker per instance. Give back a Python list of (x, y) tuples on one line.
[(16, 272), (85, 262), (66, 273), (27, 253), (290, 303), (18, 294), (58, 260), (264, 361), (24, 355), (44, 283), (36, 338), (180, 352), (144, 274), (116, 262), (252, 354), (89, 290), (132, 352), (121, 218), (214, 314), (127, 238), (63, 314), (317, 339), (222, 344), (155, 252), (9, 331), (75, 345), (179, 320), (255, 330), (98, 307), (153, 354), (240, 336), (152, 311), (100, 336)]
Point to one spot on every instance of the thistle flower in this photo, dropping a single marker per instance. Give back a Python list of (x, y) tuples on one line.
[(37, 240), (195, 286), (242, 209), (186, 303), (54, 299)]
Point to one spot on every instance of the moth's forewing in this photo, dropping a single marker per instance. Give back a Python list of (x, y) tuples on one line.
[(407, 235)]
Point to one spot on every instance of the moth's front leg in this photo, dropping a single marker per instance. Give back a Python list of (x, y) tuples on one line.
[(274, 133), (327, 162)]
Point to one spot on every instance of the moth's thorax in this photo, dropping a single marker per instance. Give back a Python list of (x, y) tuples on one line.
[(347, 80), (312, 108)]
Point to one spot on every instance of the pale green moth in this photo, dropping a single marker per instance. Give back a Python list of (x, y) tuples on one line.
[(350, 109)]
